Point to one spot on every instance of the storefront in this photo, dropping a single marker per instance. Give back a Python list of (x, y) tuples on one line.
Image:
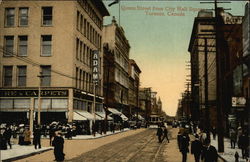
[(57, 104)]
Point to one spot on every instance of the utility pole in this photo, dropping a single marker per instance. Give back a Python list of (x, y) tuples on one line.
[(220, 129), (39, 100), (206, 90)]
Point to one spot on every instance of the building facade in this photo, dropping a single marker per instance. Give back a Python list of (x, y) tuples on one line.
[(134, 83), (201, 45), (42, 46), (114, 37)]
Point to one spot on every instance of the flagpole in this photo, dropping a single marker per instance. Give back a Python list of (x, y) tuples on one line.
[(119, 12)]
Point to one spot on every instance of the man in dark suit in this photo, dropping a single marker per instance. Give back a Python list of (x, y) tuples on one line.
[(184, 146), (209, 153), (159, 133), (37, 137), (196, 148)]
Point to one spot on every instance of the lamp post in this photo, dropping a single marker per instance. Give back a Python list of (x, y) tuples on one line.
[(39, 100)]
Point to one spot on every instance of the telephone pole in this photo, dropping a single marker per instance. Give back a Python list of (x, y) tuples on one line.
[(220, 130)]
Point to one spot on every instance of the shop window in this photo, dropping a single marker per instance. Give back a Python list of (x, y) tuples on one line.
[(6, 103), (59, 103), (22, 103)]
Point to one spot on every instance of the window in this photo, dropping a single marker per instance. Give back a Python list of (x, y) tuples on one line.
[(77, 77), (47, 16), (46, 75), (23, 46), (46, 45), (77, 20), (7, 70), (81, 23), (9, 45), (9, 17), (6, 103), (23, 16), (84, 27), (77, 48), (22, 72)]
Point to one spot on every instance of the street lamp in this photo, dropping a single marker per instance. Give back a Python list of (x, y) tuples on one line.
[(39, 100)]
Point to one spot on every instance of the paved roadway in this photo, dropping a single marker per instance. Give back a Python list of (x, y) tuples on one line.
[(141, 147)]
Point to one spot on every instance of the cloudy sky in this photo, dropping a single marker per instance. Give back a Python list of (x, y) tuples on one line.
[(159, 34)]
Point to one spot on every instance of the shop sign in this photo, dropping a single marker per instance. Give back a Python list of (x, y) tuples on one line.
[(95, 71), (238, 101), (33, 93), (230, 19)]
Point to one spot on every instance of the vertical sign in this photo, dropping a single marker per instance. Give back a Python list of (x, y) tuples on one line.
[(95, 71)]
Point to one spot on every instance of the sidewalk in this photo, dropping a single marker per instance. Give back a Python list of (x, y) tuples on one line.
[(20, 152), (228, 154)]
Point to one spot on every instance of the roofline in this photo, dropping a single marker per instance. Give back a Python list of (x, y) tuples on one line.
[(196, 21), (100, 5)]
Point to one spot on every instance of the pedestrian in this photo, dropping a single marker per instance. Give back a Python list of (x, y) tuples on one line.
[(7, 135), (37, 137), (243, 144), (51, 134), (27, 134), (214, 132), (209, 153), (69, 133), (236, 156), (184, 146), (233, 137), (179, 136), (3, 142), (159, 133), (58, 143), (196, 148), (203, 137), (165, 134)]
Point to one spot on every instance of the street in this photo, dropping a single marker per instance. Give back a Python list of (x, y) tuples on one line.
[(141, 147)]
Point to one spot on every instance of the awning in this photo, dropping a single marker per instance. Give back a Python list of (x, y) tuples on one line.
[(77, 116), (102, 115), (88, 115), (140, 117), (124, 117), (114, 111)]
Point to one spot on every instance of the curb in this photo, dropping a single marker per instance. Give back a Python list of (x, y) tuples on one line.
[(26, 155), (221, 158), (100, 136)]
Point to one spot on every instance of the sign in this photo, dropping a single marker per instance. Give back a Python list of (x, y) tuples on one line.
[(33, 93), (230, 19), (95, 71), (238, 101)]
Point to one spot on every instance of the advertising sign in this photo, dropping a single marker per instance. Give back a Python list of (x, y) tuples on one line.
[(95, 71)]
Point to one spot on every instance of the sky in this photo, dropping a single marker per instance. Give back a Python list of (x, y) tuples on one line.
[(159, 34)]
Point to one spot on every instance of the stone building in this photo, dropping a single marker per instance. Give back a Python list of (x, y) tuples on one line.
[(134, 83), (203, 40), (116, 41), (54, 40)]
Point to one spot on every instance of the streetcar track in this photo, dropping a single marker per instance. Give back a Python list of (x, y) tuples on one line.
[(122, 150), (102, 151)]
